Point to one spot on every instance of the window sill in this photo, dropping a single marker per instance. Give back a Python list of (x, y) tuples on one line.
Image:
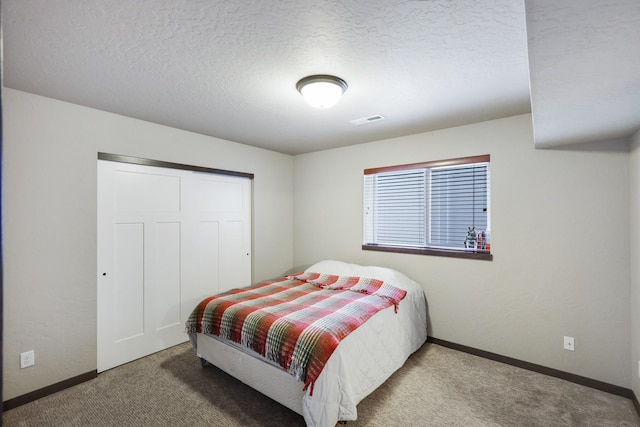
[(451, 253)]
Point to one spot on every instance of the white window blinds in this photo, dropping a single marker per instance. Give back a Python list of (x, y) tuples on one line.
[(426, 207), (459, 200), (396, 208)]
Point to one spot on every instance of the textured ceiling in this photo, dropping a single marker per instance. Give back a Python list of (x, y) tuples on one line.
[(229, 68), (585, 69)]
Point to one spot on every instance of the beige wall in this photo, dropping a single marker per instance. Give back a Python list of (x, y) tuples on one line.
[(50, 161), (554, 273), (635, 264), (560, 239)]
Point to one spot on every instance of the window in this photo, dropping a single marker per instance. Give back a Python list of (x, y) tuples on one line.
[(433, 208)]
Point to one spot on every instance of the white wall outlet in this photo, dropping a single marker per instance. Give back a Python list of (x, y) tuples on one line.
[(28, 358), (569, 344), (638, 368)]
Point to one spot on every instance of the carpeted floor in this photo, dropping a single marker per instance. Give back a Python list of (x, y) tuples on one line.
[(437, 386)]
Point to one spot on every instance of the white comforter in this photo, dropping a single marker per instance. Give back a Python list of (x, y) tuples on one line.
[(371, 353)]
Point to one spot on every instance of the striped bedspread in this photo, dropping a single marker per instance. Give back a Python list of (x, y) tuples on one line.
[(296, 321)]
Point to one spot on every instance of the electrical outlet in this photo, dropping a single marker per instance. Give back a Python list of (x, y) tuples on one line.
[(638, 368), (28, 358), (569, 344)]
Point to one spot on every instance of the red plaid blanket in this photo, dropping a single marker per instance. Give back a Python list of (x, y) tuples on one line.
[(297, 321)]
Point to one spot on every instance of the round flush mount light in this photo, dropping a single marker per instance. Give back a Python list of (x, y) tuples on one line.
[(321, 90)]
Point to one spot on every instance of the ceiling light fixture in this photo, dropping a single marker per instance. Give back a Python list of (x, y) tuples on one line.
[(321, 90)]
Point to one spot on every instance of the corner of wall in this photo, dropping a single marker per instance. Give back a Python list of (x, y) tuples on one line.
[(634, 204)]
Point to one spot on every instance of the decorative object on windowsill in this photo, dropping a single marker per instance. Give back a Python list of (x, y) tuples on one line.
[(321, 90), (471, 241), (487, 239), (482, 240)]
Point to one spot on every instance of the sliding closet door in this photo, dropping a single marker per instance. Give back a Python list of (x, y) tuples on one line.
[(166, 239), (223, 232)]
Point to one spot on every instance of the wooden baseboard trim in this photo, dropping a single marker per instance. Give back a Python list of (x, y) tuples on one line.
[(45, 391), (636, 404), (588, 382)]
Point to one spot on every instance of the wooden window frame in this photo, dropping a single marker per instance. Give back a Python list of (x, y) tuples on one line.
[(451, 253)]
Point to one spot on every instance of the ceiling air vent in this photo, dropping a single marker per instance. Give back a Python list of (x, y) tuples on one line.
[(366, 120)]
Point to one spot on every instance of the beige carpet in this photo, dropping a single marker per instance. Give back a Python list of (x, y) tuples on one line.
[(437, 386)]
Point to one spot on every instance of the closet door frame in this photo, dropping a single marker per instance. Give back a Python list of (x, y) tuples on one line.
[(201, 190)]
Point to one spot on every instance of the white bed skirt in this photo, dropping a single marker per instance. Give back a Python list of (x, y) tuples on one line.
[(257, 373)]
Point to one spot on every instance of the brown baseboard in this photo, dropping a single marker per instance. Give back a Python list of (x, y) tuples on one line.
[(636, 404), (588, 382), (53, 388)]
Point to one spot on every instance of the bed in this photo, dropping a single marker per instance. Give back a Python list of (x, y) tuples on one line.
[(360, 363)]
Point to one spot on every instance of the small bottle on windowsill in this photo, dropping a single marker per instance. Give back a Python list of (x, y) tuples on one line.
[(487, 239)]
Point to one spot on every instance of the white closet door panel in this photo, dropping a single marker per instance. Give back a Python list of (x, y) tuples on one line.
[(226, 200), (233, 258), (145, 192), (167, 276), (209, 258), (128, 290), (218, 194)]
